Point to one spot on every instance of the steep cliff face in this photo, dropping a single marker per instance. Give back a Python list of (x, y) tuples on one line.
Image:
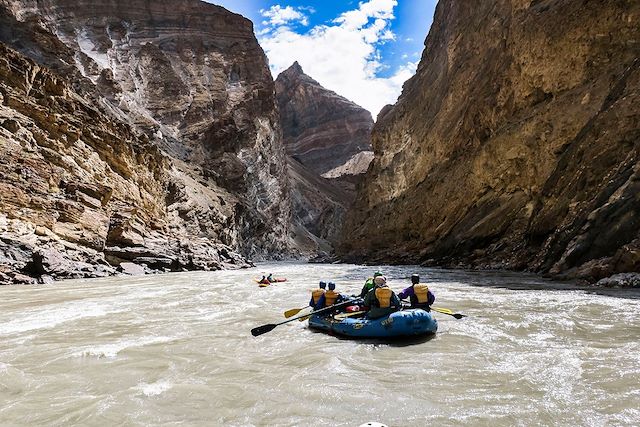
[(515, 145), (321, 129), (188, 81), (327, 140)]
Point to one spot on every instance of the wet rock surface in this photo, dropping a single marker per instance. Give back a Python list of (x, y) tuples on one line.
[(516, 145), (135, 132)]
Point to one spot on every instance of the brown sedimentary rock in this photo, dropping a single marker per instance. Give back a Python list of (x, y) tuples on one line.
[(516, 144), (327, 139), (321, 129), (137, 131)]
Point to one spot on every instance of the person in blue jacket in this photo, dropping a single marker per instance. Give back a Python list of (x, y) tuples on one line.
[(418, 293), (330, 297), (316, 294)]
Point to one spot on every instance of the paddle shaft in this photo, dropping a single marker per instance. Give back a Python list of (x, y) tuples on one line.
[(271, 326), (444, 311)]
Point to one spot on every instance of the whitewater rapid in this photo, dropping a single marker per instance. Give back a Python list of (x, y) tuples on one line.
[(176, 349)]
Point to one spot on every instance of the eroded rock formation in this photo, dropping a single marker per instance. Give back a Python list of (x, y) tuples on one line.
[(327, 139), (137, 131), (321, 129), (516, 144)]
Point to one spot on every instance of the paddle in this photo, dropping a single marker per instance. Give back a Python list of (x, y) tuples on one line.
[(293, 312), (271, 326), (445, 311), (345, 315), (449, 312)]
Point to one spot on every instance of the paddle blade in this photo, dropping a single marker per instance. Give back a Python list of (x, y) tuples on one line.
[(302, 319), (292, 312), (263, 329), (449, 312)]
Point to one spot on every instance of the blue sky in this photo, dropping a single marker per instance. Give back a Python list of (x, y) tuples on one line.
[(363, 50)]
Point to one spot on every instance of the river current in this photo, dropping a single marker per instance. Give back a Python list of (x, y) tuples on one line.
[(175, 350)]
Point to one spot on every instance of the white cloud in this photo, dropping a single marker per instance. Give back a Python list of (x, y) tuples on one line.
[(278, 15), (343, 55)]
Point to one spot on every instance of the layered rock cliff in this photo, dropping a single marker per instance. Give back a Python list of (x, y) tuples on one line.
[(322, 130), (327, 140), (516, 144), (158, 141)]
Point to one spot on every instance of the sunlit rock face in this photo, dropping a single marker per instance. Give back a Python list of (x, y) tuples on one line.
[(515, 145), (327, 140), (185, 80)]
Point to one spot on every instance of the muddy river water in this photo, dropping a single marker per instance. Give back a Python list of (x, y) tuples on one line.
[(176, 350)]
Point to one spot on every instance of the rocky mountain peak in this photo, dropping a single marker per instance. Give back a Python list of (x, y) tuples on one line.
[(294, 69), (322, 130), (326, 138)]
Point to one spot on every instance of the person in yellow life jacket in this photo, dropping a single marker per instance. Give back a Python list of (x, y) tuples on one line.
[(316, 294), (381, 300), (369, 284), (418, 293), (330, 297)]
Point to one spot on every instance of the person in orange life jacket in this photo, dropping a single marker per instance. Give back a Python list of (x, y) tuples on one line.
[(381, 300), (418, 293), (264, 280), (330, 297), (316, 294)]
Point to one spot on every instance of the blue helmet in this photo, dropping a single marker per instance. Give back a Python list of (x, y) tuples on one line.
[(323, 285), (332, 286)]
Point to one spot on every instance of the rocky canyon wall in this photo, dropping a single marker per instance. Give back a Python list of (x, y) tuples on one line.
[(136, 135), (516, 144), (327, 141)]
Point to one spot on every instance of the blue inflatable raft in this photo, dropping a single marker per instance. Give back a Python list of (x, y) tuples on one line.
[(401, 324)]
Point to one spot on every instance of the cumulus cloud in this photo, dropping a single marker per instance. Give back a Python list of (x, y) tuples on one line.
[(343, 55), (277, 15)]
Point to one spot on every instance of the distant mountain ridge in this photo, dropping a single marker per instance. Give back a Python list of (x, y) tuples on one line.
[(327, 140)]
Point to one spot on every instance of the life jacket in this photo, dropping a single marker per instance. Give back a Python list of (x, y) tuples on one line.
[(330, 297), (383, 295), (422, 293), (316, 294)]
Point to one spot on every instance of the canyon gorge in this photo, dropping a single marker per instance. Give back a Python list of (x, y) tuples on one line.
[(140, 137)]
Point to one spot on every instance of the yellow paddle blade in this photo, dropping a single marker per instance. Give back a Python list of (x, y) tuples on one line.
[(292, 312), (302, 319), (442, 310)]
